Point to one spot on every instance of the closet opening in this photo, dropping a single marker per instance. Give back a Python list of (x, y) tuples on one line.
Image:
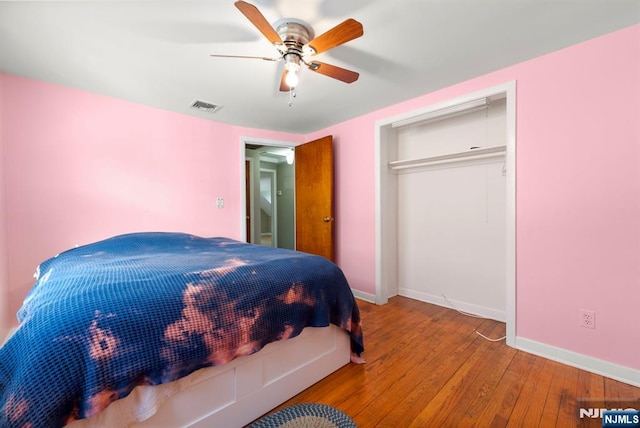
[(445, 205)]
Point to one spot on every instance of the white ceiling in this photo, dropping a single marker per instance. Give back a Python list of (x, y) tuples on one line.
[(158, 52)]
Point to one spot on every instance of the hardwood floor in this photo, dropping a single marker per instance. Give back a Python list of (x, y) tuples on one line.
[(426, 367)]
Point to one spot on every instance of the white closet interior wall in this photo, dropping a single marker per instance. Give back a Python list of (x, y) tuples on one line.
[(451, 230)]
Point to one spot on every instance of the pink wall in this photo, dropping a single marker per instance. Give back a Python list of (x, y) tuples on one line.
[(579, 197), (354, 200), (578, 193), (4, 255), (82, 167)]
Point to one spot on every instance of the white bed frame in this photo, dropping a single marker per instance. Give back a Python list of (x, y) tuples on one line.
[(237, 393)]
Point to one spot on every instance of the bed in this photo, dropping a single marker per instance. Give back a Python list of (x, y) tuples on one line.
[(171, 329)]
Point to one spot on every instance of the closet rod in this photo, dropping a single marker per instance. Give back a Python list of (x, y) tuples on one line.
[(486, 153)]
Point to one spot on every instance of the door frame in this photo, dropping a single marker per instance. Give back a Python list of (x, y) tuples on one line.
[(246, 197), (244, 140), (385, 252)]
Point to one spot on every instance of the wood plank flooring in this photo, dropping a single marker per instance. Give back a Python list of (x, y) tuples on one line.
[(427, 367)]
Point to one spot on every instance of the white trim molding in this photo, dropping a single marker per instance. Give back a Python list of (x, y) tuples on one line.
[(6, 335), (444, 113), (456, 305), (580, 361), (367, 297)]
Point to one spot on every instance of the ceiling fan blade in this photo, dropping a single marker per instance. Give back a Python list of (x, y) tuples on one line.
[(247, 57), (259, 21), (341, 33), (329, 70)]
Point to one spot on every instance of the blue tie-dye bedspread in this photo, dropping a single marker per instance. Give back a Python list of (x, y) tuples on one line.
[(149, 308)]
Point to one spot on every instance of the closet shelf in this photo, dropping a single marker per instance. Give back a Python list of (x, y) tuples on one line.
[(481, 153)]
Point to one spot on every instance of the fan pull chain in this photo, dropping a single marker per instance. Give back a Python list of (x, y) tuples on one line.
[(292, 95)]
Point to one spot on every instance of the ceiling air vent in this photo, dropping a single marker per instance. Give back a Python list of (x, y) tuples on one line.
[(205, 106)]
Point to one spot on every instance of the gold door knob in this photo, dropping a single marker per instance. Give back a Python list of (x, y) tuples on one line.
[(327, 219)]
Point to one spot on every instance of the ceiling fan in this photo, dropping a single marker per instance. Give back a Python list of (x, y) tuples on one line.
[(295, 42)]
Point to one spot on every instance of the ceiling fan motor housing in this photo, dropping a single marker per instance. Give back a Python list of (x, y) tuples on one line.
[(295, 35)]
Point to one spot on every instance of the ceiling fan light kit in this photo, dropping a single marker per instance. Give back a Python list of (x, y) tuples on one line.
[(291, 67), (296, 42)]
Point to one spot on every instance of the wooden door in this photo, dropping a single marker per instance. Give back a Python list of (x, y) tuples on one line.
[(314, 197)]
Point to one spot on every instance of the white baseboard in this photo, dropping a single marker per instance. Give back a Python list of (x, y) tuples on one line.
[(6, 334), (594, 365), (367, 297), (482, 311)]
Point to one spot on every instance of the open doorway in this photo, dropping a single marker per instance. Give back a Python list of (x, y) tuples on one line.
[(270, 193)]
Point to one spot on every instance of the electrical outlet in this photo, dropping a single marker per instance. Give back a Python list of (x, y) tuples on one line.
[(220, 202), (587, 318)]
